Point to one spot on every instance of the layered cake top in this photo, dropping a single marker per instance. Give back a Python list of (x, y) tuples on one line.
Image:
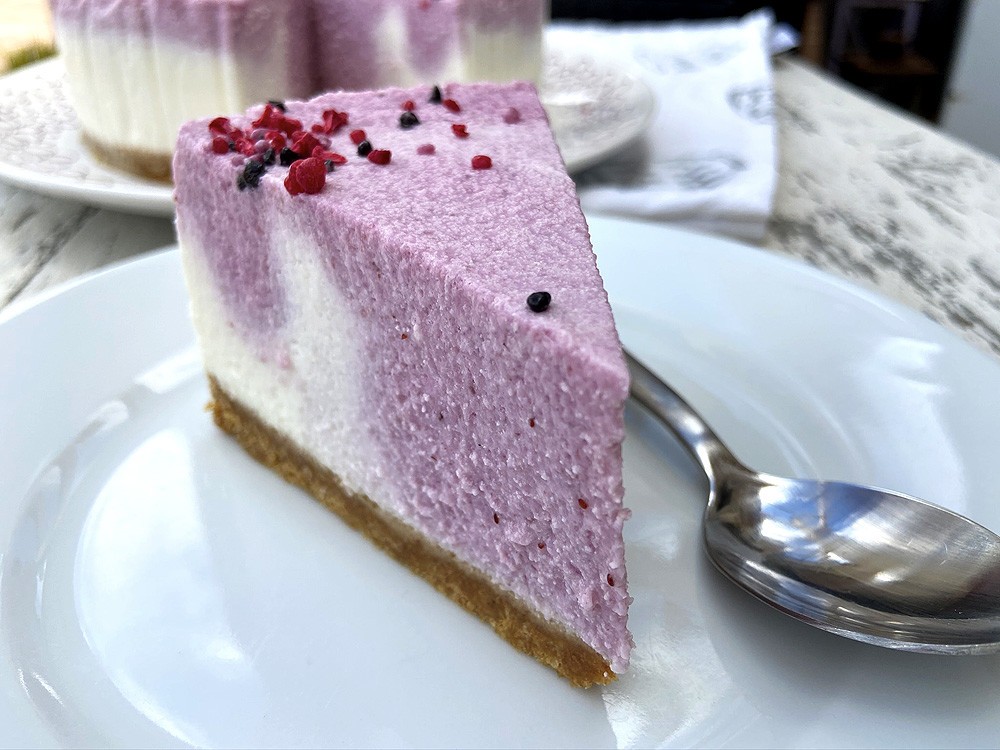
[(346, 29), (473, 172)]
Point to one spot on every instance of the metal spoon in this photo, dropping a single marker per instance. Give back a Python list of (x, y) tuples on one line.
[(865, 563)]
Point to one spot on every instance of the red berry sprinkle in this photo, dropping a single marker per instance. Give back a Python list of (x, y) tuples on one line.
[(304, 143), (479, 161), (244, 146), (271, 117), (308, 175), (288, 126), (451, 105), (332, 122), (380, 156), (409, 105), (220, 126), (220, 145), (357, 136), (426, 149), (276, 139), (611, 580), (583, 503), (511, 116), (321, 153), (460, 130), (292, 185)]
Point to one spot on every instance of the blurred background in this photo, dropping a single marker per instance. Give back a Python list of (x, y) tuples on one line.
[(937, 59), (934, 58)]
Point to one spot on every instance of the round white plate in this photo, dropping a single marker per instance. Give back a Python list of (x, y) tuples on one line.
[(160, 588), (594, 109)]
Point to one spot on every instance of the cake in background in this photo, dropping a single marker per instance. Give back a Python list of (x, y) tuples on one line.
[(137, 69), (399, 310)]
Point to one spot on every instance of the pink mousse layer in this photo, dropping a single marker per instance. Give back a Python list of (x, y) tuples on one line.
[(334, 40), (503, 426)]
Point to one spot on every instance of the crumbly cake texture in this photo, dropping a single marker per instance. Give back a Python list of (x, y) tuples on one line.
[(138, 69), (142, 163), (515, 622), (374, 320)]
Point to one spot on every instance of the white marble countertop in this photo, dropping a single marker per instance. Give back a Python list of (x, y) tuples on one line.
[(864, 192)]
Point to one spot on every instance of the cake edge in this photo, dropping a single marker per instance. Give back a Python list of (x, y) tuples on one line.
[(138, 163), (513, 620)]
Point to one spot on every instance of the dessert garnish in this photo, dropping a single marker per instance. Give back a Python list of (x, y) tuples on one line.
[(539, 302)]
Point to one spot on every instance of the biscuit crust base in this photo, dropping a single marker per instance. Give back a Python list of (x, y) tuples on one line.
[(148, 164), (513, 620)]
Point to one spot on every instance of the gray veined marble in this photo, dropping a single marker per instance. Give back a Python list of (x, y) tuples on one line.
[(872, 194)]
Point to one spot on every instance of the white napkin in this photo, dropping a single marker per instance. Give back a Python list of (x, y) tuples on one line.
[(708, 160)]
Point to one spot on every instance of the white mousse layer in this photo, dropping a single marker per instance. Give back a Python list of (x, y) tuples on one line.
[(133, 92), (508, 55), (307, 383)]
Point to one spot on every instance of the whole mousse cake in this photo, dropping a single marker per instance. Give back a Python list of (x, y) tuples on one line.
[(399, 310), (137, 69)]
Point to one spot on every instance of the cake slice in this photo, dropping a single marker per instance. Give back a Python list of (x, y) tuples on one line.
[(399, 310), (138, 69), (407, 42)]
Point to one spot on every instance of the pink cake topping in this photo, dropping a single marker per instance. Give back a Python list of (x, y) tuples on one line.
[(335, 42), (454, 387)]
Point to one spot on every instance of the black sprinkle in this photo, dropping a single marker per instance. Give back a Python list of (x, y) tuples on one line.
[(539, 301), (277, 105), (253, 170), (364, 148), (329, 165), (268, 157), (407, 120), (435, 95), (288, 156)]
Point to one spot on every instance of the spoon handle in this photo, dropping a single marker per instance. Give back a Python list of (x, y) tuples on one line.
[(690, 428)]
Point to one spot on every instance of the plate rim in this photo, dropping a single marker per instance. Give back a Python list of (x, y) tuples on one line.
[(908, 315), (135, 195)]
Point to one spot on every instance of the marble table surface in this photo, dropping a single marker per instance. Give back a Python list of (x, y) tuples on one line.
[(864, 192)]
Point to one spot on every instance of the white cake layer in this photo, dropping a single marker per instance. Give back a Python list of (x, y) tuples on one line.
[(508, 55), (133, 92), (308, 382)]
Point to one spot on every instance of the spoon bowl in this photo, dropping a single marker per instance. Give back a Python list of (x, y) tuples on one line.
[(862, 562)]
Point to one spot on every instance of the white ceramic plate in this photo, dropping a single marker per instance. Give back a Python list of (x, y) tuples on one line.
[(594, 109), (159, 588)]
